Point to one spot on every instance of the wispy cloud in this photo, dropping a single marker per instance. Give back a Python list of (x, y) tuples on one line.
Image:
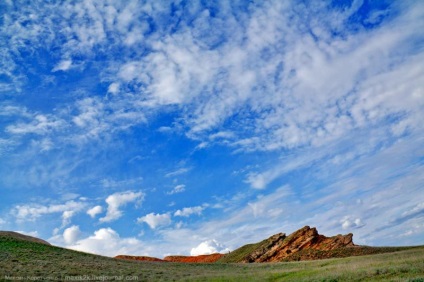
[(33, 211), (177, 189), (177, 172), (40, 124), (186, 212)]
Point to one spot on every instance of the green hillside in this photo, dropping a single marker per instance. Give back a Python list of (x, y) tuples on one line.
[(26, 260), (241, 253)]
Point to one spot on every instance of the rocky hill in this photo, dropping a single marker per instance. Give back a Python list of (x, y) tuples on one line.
[(304, 244)]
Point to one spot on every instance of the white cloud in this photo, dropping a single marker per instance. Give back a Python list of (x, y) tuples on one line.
[(63, 66), (177, 172), (40, 124), (71, 234), (303, 104), (257, 180), (208, 247), (95, 211), (98, 117), (113, 88), (222, 135), (348, 223), (66, 217), (33, 211), (189, 211), (156, 220), (107, 242), (177, 189), (117, 200)]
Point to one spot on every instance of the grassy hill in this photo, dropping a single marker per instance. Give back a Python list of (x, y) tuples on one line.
[(27, 260)]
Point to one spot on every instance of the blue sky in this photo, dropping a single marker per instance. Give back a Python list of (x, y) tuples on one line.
[(190, 127)]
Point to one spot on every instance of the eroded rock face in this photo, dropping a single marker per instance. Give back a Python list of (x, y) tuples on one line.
[(279, 246), (195, 259), (139, 258)]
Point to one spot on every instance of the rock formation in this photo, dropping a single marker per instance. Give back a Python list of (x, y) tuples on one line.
[(303, 244)]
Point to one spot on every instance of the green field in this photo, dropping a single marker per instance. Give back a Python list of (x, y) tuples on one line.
[(28, 261)]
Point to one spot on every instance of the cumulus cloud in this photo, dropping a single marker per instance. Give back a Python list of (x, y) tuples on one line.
[(186, 212), (117, 200), (155, 220), (95, 211), (104, 241), (71, 234), (208, 247)]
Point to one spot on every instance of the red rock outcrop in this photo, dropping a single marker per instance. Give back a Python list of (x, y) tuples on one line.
[(139, 258), (279, 247), (195, 259)]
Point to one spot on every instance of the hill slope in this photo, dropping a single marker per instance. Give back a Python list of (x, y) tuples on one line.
[(22, 237), (20, 259), (304, 244)]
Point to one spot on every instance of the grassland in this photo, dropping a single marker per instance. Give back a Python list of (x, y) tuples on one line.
[(23, 260)]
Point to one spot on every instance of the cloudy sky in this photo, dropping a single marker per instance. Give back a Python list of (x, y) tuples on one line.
[(189, 127)]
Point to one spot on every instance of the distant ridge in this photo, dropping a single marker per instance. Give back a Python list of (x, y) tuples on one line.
[(184, 259), (139, 258), (22, 237)]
